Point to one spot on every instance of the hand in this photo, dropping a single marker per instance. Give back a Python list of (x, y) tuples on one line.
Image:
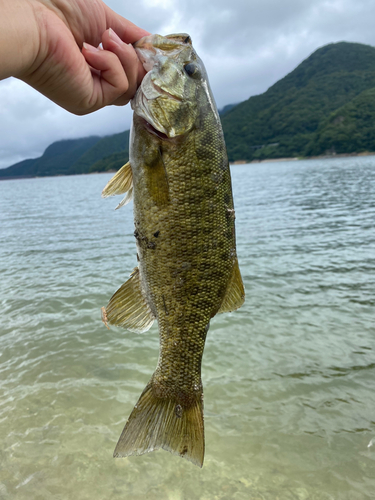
[(53, 46)]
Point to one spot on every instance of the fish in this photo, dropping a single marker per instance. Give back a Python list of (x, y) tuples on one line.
[(179, 179)]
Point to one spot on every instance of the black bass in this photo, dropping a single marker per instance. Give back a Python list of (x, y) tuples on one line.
[(178, 174)]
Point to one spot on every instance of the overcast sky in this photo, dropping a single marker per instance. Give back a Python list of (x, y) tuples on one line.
[(246, 45)]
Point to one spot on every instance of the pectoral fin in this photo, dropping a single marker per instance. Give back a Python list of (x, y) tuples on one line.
[(157, 180), (128, 307), (125, 201), (235, 295), (121, 182)]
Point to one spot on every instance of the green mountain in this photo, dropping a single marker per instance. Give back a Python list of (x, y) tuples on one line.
[(284, 121), (57, 159), (350, 129), (108, 147), (326, 105), (226, 108), (74, 156)]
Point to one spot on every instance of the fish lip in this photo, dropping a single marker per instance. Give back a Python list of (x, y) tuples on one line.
[(147, 62)]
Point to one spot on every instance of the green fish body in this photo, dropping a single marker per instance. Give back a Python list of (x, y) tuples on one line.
[(178, 174)]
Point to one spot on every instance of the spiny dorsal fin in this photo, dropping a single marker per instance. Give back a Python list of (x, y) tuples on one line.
[(164, 423), (235, 295), (128, 307), (120, 183)]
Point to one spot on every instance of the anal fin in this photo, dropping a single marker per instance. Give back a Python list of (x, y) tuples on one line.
[(128, 307), (235, 294)]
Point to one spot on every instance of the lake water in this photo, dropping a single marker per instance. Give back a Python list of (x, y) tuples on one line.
[(289, 379)]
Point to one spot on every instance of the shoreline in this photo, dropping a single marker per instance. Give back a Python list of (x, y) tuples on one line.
[(234, 163), (49, 176), (299, 158)]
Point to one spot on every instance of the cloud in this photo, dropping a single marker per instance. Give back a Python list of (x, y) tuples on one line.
[(29, 122), (246, 47)]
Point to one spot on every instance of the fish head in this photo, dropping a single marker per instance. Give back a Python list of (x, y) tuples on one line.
[(168, 97)]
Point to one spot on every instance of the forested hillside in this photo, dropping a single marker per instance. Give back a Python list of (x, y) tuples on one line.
[(284, 121), (75, 156)]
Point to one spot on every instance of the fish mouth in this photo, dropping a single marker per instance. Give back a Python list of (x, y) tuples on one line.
[(154, 92), (140, 106), (149, 57), (148, 92)]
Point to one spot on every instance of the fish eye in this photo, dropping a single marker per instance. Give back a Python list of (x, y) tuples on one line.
[(191, 69)]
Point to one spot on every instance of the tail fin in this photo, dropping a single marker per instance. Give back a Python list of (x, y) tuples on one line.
[(163, 423)]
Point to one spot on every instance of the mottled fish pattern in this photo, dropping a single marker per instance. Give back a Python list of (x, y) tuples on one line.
[(178, 175)]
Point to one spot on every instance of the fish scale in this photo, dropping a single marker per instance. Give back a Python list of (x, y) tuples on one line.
[(185, 234)]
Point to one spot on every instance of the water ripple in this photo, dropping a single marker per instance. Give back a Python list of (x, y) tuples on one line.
[(289, 378)]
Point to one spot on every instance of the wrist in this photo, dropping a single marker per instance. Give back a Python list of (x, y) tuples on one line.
[(19, 37)]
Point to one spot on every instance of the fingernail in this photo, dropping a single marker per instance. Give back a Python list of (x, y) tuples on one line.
[(89, 47), (114, 37)]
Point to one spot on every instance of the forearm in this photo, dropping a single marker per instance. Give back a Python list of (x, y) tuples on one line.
[(19, 37)]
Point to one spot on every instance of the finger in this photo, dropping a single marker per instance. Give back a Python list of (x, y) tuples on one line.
[(126, 54), (112, 81), (126, 30)]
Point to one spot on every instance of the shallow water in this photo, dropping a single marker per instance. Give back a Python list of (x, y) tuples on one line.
[(289, 379)]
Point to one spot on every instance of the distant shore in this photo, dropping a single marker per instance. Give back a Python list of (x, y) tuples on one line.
[(295, 158), (237, 162)]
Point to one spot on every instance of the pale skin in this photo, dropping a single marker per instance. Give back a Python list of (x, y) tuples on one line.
[(53, 45)]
